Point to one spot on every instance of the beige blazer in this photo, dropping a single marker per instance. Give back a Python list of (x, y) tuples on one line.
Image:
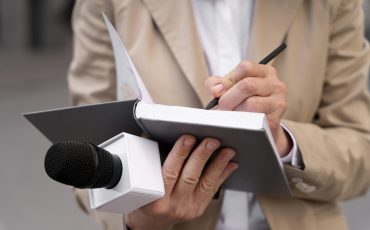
[(324, 67)]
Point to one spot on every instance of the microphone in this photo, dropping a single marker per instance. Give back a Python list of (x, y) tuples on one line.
[(122, 174), (82, 165)]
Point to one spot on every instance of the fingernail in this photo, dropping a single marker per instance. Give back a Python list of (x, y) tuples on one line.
[(188, 142), (212, 145), (219, 88), (228, 156)]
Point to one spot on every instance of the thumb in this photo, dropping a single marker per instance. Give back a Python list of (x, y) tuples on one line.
[(214, 86)]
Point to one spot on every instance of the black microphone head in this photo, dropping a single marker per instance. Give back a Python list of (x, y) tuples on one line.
[(80, 164)]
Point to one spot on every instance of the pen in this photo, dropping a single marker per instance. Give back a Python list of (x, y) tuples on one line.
[(264, 61)]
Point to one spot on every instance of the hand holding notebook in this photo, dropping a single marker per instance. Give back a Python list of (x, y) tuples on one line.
[(253, 87), (260, 170)]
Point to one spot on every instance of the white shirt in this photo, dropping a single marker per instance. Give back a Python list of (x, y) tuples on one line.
[(224, 28)]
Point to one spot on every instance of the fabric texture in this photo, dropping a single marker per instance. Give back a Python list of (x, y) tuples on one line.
[(324, 67)]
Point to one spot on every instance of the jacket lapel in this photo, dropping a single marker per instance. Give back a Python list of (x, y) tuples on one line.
[(271, 21), (175, 20), (176, 23)]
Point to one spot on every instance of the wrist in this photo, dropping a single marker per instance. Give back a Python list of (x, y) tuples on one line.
[(283, 142)]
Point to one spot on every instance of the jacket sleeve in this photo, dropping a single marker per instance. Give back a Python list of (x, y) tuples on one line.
[(335, 148), (91, 79), (107, 221)]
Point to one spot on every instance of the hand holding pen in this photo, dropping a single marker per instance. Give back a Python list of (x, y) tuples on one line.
[(264, 61), (254, 87)]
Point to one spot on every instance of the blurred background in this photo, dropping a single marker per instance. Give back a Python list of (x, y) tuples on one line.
[(35, 50)]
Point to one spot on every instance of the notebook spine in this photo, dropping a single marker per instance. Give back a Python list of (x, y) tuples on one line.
[(138, 120)]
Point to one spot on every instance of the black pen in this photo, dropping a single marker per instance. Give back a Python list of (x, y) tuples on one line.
[(264, 61)]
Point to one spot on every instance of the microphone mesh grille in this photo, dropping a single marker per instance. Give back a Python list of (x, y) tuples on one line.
[(106, 168), (74, 163)]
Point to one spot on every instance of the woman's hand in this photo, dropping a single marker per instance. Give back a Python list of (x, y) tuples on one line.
[(254, 87), (188, 188)]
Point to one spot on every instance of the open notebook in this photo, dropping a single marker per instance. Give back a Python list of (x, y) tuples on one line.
[(260, 169)]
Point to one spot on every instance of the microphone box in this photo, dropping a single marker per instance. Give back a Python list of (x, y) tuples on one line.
[(141, 181)]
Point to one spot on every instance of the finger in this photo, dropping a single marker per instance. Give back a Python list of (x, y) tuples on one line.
[(193, 168), (230, 168), (274, 118), (214, 86), (273, 106), (259, 104), (246, 69), (207, 185), (174, 162), (245, 88)]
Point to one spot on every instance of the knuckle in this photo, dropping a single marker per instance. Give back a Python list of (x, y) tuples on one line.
[(190, 180), (182, 154), (283, 104), (247, 85), (230, 80), (271, 70), (281, 87), (202, 158), (245, 66), (207, 186), (219, 166), (182, 214), (237, 73), (160, 210), (170, 175)]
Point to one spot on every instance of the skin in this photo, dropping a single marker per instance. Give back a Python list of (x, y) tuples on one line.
[(188, 190), (253, 87), (248, 87)]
